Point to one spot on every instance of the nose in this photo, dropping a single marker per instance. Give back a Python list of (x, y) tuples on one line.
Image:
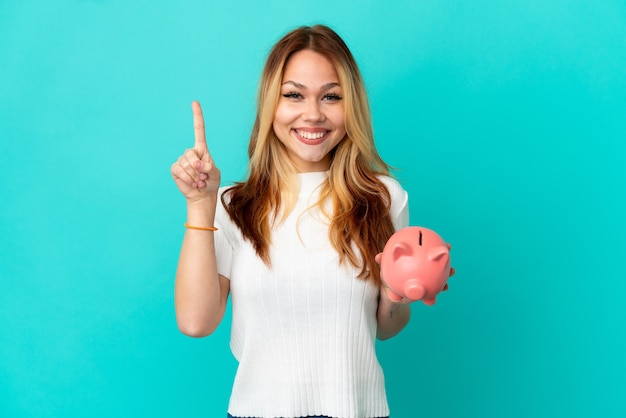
[(313, 112)]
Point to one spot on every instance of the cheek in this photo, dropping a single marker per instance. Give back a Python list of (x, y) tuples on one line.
[(283, 116), (338, 118)]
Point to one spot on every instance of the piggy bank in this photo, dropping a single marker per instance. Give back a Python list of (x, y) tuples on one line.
[(415, 264)]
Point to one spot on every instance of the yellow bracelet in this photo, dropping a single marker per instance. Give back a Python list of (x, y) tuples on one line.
[(201, 228)]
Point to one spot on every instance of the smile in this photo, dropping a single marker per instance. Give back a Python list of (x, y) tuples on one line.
[(311, 138)]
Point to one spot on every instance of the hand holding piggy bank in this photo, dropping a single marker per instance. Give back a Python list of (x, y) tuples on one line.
[(415, 264)]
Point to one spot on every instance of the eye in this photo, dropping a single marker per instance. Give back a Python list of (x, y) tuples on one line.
[(292, 95), (420, 238), (331, 97)]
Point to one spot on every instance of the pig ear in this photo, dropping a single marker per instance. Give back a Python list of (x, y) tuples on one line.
[(401, 249), (437, 253)]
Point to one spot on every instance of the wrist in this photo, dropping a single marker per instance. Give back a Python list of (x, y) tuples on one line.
[(203, 202), (201, 213)]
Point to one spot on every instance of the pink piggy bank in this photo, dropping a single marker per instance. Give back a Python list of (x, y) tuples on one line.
[(415, 264)]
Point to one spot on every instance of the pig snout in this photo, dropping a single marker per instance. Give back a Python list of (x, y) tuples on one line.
[(414, 290)]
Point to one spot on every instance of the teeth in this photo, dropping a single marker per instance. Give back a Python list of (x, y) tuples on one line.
[(311, 135)]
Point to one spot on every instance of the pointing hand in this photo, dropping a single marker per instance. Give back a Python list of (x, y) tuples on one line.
[(195, 172)]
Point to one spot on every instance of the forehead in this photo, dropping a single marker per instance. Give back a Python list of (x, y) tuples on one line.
[(307, 65)]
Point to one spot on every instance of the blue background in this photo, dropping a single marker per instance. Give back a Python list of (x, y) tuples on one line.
[(506, 120)]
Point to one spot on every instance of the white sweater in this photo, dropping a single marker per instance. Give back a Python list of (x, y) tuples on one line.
[(303, 330)]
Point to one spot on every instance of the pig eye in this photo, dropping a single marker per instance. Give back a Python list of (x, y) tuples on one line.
[(420, 238)]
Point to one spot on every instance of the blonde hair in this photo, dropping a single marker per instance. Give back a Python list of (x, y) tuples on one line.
[(359, 200)]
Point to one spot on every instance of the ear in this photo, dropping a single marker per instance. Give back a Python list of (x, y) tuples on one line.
[(438, 253), (378, 257), (401, 249)]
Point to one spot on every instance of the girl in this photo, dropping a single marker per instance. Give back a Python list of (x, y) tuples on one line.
[(294, 245)]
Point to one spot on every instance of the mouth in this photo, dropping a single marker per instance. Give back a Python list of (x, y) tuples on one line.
[(311, 137)]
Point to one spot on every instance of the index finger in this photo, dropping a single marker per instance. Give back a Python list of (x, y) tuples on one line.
[(198, 127)]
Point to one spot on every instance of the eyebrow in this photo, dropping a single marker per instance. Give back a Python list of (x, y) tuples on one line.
[(325, 87)]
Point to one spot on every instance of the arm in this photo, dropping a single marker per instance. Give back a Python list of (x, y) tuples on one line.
[(391, 316), (200, 293)]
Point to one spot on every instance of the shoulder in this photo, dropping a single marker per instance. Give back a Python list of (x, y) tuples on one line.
[(399, 208), (396, 191), (221, 214), (223, 194)]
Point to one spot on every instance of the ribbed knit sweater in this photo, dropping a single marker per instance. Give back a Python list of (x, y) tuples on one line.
[(304, 330)]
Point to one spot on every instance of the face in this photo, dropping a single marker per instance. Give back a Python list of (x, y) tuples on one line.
[(310, 117)]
